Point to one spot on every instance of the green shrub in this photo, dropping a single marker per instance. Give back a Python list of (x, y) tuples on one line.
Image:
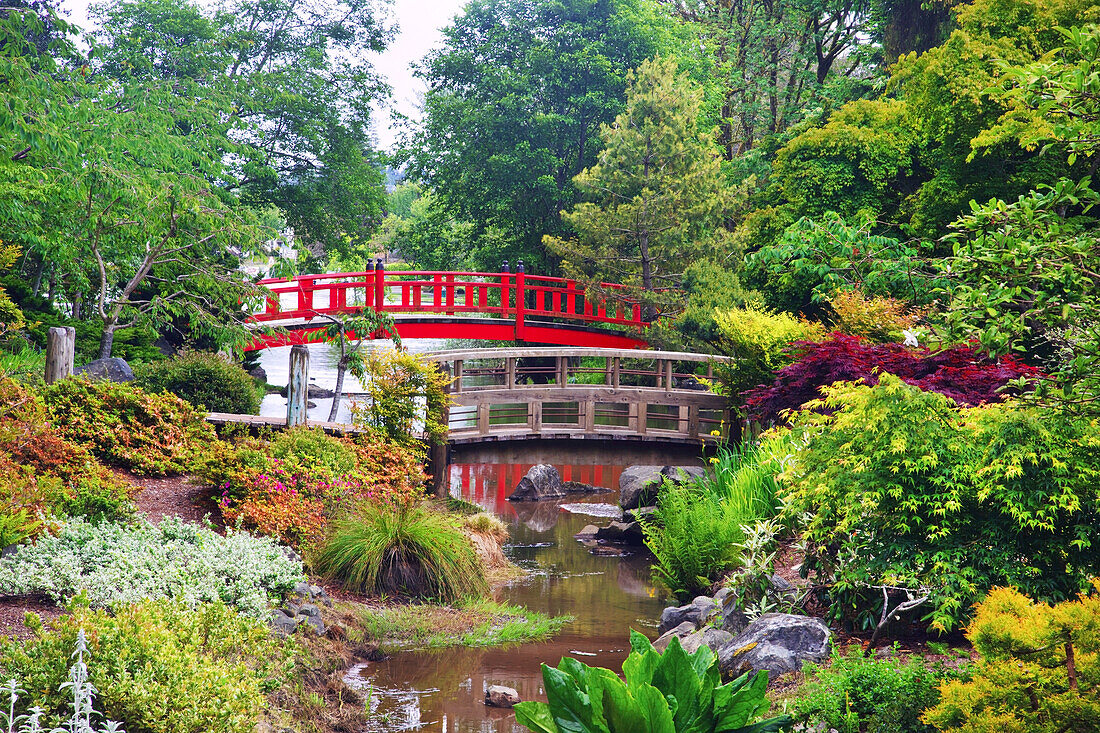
[(759, 340), (856, 694), (311, 449), (1039, 670), (897, 486), (407, 550), (16, 526), (698, 531), (113, 564), (203, 379), (660, 693), (127, 427), (156, 666)]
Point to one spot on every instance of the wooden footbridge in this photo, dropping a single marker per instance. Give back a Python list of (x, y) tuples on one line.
[(495, 306), (582, 393)]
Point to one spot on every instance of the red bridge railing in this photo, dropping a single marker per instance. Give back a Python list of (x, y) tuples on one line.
[(509, 295)]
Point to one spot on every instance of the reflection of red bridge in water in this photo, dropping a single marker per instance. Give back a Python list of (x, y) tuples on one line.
[(499, 306)]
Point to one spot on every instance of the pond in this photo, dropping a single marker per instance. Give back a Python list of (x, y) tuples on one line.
[(443, 690)]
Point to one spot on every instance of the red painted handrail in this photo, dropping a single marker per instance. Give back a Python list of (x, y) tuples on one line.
[(514, 296)]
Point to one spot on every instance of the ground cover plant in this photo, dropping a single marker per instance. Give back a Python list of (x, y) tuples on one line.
[(896, 489), (156, 666), (699, 525), (1038, 669), (43, 473), (204, 380), (860, 694), (672, 692), (157, 434), (406, 550), (292, 486), (111, 564)]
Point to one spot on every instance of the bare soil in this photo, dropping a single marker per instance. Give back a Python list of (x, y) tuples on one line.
[(173, 496), (13, 609)]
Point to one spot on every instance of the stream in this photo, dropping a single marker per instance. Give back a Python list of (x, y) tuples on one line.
[(443, 691)]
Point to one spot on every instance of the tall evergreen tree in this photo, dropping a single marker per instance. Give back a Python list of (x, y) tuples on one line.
[(657, 192)]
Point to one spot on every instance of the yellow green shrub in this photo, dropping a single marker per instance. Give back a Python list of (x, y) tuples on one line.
[(875, 318), (1039, 670)]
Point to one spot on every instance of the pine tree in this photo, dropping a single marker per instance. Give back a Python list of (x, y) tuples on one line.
[(656, 194)]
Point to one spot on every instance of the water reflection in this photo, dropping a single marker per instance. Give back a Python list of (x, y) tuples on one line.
[(444, 690)]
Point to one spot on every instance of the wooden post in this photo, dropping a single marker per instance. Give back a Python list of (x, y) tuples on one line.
[(643, 418), (437, 457), (510, 372), (589, 420), (60, 353), (458, 376), (483, 418), (659, 373), (616, 369), (668, 374), (536, 417), (693, 421), (607, 371), (297, 387)]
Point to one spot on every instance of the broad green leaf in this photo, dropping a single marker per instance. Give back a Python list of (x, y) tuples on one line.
[(535, 716)]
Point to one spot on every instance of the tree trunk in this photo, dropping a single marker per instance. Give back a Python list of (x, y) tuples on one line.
[(341, 367), (647, 272), (107, 341)]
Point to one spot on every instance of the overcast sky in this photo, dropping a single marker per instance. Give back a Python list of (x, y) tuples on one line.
[(419, 23)]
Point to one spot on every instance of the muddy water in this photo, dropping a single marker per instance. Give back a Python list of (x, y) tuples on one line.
[(607, 595)]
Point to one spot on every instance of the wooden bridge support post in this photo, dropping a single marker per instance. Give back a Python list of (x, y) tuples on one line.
[(589, 416), (456, 385), (60, 353), (437, 454), (535, 416), (297, 387), (510, 373)]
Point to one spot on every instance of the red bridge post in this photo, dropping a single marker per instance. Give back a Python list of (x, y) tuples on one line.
[(379, 286), (521, 300)]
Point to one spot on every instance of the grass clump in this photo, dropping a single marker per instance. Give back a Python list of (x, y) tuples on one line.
[(404, 550), (699, 529), (471, 623)]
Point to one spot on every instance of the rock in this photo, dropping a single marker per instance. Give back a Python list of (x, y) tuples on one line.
[(313, 392), (605, 550), (111, 370), (9, 551), (678, 632), (709, 637), (283, 624), (621, 532), (302, 588), (587, 532), (541, 482), (316, 624), (309, 610), (734, 620), (499, 696), (258, 373), (778, 643), (639, 485), (641, 514), (696, 612), (722, 595)]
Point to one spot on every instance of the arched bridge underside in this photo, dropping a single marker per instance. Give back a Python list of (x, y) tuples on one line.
[(582, 393), (500, 306)]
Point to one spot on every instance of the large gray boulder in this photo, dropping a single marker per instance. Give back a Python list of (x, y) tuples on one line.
[(499, 696), (639, 485), (681, 632), (777, 643), (111, 370), (541, 482)]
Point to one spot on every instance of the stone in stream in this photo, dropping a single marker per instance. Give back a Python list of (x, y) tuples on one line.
[(626, 533), (640, 485), (499, 696), (544, 482), (778, 643), (111, 370), (587, 532)]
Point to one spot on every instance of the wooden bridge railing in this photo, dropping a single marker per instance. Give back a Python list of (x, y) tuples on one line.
[(512, 295), (507, 394)]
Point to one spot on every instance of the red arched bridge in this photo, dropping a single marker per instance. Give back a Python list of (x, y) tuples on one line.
[(497, 306)]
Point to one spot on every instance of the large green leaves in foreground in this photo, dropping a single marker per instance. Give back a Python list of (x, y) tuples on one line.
[(674, 692)]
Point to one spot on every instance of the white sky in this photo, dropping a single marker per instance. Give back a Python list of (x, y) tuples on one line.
[(418, 31)]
